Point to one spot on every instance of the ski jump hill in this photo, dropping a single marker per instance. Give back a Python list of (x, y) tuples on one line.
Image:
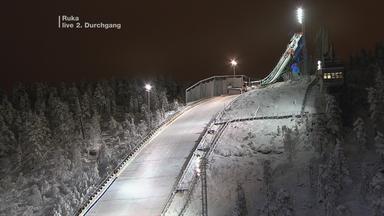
[(146, 183)]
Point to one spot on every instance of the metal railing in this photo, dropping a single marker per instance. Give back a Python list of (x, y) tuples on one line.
[(91, 199), (214, 86), (190, 161)]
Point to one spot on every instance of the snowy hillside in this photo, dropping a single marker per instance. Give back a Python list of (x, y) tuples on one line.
[(278, 99), (289, 166)]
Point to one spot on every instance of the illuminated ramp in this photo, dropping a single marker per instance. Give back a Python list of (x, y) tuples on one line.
[(287, 56), (143, 187)]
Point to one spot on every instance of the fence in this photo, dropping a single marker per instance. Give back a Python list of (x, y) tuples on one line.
[(215, 86), (90, 200)]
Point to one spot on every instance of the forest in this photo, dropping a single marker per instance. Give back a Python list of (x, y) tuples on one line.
[(58, 141)]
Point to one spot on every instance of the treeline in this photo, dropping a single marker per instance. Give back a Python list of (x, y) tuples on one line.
[(362, 73), (363, 65), (58, 142), (362, 106)]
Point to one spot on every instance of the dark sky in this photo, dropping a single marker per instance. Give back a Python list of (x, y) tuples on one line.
[(187, 40)]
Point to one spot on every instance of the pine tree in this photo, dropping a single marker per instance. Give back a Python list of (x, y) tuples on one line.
[(36, 138), (40, 99), (360, 133), (378, 207), (379, 144), (110, 98), (376, 98), (75, 108), (114, 127), (146, 116), (331, 179), (20, 98), (284, 203), (7, 145), (62, 123), (93, 132), (36, 198), (337, 164), (100, 99), (85, 107), (8, 111), (333, 115), (104, 161), (164, 101)]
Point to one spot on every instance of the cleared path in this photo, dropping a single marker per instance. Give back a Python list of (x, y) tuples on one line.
[(143, 187)]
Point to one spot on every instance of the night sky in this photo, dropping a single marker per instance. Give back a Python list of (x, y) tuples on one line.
[(185, 40)]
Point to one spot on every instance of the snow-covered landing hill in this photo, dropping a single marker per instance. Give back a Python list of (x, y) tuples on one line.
[(289, 166), (278, 99)]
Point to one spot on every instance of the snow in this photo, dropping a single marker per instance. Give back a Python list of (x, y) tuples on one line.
[(290, 166), (278, 99), (244, 146), (146, 182), (58, 143)]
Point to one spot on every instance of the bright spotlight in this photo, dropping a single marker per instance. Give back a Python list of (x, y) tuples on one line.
[(319, 66), (148, 87), (300, 15), (233, 62)]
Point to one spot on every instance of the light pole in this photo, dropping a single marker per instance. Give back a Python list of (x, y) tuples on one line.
[(300, 18), (234, 64), (148, 88)]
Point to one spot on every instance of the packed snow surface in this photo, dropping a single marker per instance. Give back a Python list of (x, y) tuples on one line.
[(298, 165), (145, 185)]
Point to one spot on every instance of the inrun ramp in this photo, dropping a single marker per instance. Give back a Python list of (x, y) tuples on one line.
[(287, 56), (144, 186)]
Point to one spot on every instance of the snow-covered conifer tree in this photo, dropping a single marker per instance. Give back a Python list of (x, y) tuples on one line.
[(284, 203), (360, 133), (8, 111), (85, 106), (99, 98), (379, 144), (62, 123), (114, 127), (378, 207), (332, 179), (338, 165), (333, 115), (36, 138), (376, 98), (7, 144)]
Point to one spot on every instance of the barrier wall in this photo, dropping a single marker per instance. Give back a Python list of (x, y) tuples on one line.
[(214, 86)]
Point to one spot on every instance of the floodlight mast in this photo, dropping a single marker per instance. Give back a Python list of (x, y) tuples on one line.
[(234, 64), (148, 88), (300, 13)]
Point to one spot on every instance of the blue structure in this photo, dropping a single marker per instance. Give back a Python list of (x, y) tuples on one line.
[(295, 69)]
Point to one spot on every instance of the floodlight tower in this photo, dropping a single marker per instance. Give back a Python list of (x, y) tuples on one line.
[(301, 20), (234, 64), (148, 88)]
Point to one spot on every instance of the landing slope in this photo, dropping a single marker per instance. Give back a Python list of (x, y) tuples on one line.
[(254, 162), (144, 186)]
